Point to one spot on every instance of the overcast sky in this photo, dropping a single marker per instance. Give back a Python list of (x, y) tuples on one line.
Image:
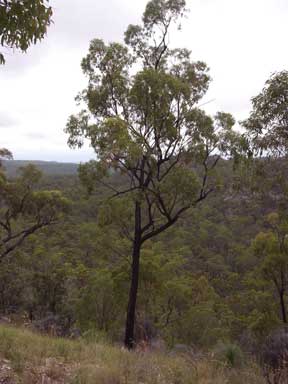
[(242, 41)]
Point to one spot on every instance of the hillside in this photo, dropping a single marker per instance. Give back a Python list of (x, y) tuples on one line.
[(200, 281), (47, 167), (28, 358)]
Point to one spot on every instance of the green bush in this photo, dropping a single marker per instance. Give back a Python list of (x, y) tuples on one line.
[(230, 354)]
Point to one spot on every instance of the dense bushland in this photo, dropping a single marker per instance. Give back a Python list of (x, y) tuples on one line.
[(203, 281)]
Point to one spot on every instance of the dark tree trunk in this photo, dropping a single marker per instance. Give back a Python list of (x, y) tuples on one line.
[(283, 309), (131, 310)]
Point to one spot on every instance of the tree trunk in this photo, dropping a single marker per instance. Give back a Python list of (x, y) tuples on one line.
[(131, 310), (283, 309)]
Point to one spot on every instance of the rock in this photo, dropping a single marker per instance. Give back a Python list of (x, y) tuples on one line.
[(6, 373), (158, 345), (75, 333), (181, 349), (55, 326), (5, 320)]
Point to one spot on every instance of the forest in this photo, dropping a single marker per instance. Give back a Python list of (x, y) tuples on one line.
[(175, 237), (213, 276)]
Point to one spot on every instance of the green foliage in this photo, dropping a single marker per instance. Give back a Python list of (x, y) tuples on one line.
[(23, 22), (271, 248), (199, 283), (97, 307), (229, 354), (215, 270), (268, 120), (143, 121), (25, 210), (147, 126)]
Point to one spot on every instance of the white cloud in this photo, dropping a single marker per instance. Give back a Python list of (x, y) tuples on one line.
[(7, 119), (243, 42)]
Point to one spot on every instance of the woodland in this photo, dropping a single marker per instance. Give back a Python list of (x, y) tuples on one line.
[(175, 235)]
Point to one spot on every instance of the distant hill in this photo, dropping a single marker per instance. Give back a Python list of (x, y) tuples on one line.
[(47, 167)]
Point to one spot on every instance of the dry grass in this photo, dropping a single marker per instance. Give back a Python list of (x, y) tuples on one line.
[(34, 359)]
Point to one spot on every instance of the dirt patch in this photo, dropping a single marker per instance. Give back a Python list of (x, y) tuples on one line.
[(6, 373)]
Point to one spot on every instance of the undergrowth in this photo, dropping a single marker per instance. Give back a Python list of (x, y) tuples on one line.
[(32, 357)]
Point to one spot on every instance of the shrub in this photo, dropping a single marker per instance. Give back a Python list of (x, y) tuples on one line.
[(230, 354), (274, 357)]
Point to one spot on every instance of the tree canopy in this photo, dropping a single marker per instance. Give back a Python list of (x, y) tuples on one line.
[(24, 210), (268, 121)]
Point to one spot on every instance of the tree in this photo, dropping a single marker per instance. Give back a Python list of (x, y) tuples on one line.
[(24, 210), (268, 120), (264, 170), (145, 124), (4, 154), (273, 248), (22, 23)]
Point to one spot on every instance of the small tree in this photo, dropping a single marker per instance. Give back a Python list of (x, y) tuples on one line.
[(24, 210), (22, 23), (267, 139), (268, 120), (272, 246), (144, 123), (4, 154)]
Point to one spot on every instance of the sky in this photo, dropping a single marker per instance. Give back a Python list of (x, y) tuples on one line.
[(242, 41)]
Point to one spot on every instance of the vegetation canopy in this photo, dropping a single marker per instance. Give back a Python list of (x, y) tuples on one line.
[(143, 121), (267, 124), (24, 210)]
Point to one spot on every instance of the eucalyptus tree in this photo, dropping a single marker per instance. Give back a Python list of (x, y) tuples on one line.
[(5, 154), (25, 210), (22, 23), (143, 120), (267, 139), (268, 121), (272, 247)]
